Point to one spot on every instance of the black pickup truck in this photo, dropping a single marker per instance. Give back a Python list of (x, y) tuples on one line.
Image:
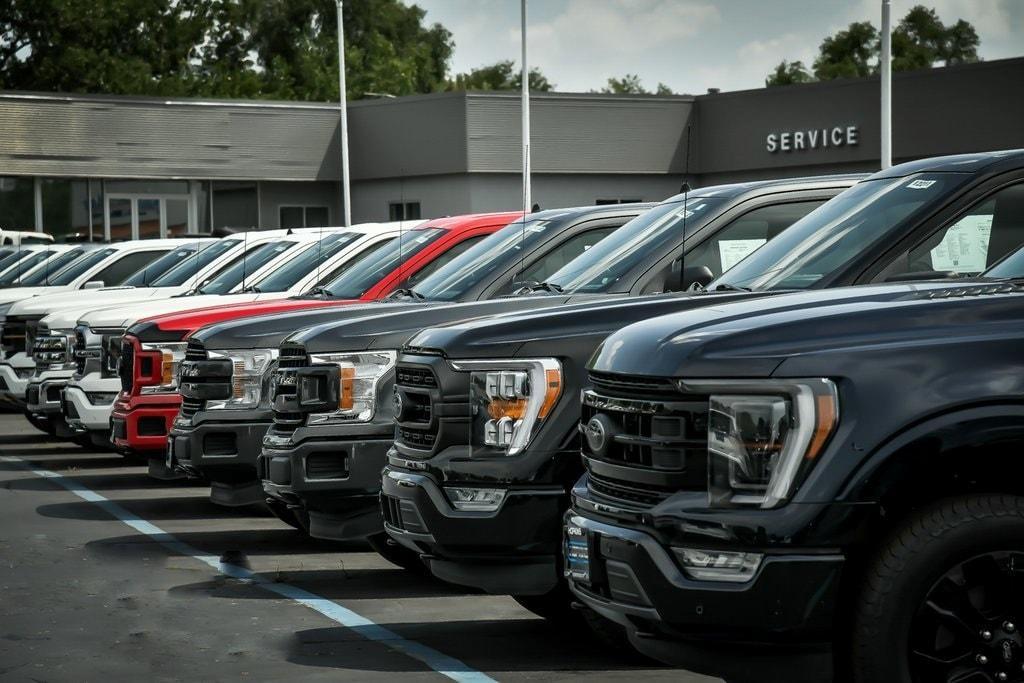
[(822, 467), (487, 443), (328, 464), (220, 440)]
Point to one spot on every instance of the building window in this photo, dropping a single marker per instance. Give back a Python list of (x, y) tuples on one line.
[(303, 216), (403, 211), (602, 202), (17, 203), (235, 205)]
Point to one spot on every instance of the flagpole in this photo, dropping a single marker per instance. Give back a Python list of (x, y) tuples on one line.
[(345, 191), (885, 69), (527, 190)]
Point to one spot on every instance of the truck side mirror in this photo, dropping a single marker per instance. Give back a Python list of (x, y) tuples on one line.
[(93, 284), (700, 275)]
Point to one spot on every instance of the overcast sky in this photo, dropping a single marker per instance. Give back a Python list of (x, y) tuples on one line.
[(691, 45)]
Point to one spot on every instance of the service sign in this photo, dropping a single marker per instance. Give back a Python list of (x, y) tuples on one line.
[(812, 138)]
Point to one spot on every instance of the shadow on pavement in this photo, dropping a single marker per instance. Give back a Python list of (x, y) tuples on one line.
[(333, 584), (486, 645), (283, 541), (103, 482), (153, 509)]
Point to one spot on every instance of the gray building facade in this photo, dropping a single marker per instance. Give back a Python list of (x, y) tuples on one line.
[(105, 167)]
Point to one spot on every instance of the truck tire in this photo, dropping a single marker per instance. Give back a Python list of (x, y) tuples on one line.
[(939, 598), (397, 554), (291, 516), (42, 425)]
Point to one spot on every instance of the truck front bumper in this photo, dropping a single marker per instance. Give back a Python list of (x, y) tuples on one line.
[(336, 480), (512, 550), (15, 375), (631, 578), (141, 423), (81, 413), (224, 453), (43, 394)]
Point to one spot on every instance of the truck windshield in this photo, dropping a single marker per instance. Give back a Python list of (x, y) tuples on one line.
[(491, 255), (81, 266), (603, 267), (839, 231), (11, 254), (181, 273), (149, 273), (23, 266), (311, 258), (235, 274), (43, 275), (372, 268)]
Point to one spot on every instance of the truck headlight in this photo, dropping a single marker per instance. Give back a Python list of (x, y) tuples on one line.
[(763, 436), (358, 377), (160, 363), (509, 401), (251, 370)]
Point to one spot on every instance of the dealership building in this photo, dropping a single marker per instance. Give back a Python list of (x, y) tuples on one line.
[(114, 167)]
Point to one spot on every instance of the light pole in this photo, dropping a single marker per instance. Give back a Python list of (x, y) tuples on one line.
[(885, 69), (527, 199), (345, 193)]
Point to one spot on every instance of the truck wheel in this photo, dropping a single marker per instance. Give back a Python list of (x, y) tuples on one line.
[(397, 554), (295, 517), (41, 424), (941, 599)]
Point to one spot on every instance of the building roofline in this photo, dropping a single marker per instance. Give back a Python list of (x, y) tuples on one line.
[(849, 82)]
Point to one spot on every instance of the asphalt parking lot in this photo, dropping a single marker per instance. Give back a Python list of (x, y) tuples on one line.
[(106, 574)]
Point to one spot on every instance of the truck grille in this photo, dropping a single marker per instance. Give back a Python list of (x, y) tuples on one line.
[(190, 406), (110, 356), (78, 351), (195, 350), (13, 337), (417, 387), (290, 357), (126, 365), (654, 435)]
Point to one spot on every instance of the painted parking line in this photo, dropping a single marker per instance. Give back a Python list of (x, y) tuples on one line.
[(439, 662)]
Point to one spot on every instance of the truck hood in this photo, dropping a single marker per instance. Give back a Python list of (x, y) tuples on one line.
[(124, 316), (572, 330), (268, 330), (90, 299), (19, 293), (752, 338), (389, 329), (180, 323)]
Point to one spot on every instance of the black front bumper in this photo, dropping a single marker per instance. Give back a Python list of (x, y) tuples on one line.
[(333, 472), (222, 452), (636, 581), (514, 550)]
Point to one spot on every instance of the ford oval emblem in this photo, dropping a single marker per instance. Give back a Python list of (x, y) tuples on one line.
[(597, 435), (397, 404)]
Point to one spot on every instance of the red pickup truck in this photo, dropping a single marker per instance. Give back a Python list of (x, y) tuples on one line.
[(151, 349)]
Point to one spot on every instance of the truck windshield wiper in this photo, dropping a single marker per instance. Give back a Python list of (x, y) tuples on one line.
[(550, 287), (407, 292), (322, 292), (726, 287)]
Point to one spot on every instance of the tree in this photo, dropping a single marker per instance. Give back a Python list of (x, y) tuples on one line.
[(848, 53), (280, 49), (788, 73), (499, 76), (919, 41)]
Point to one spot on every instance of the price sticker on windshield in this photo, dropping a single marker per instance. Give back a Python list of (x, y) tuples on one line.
[(920, 184)]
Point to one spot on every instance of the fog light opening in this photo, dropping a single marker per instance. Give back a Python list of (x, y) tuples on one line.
[(475, 499), (718, 565)]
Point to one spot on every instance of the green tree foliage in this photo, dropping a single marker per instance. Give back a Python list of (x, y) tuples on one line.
[(919, 41), (278, 49), (500, 76), (630, 84), (788, 73)]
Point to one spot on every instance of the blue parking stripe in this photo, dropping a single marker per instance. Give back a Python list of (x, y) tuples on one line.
[(438, 661)]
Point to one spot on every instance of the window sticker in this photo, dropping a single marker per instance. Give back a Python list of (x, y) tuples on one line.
[(920, 184), (964, 249), (732, 252)]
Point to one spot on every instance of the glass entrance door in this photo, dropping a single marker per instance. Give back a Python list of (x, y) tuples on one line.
[(129, 216)]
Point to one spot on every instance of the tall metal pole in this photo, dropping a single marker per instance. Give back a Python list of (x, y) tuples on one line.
[(885, 69), (527, 192), (345, 192)]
